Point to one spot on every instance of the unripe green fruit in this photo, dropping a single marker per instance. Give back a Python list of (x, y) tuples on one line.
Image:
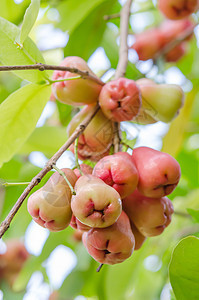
[(50, 205), (96, 140), (78, 91), (110, 245), (159, 172), (95, 204), (119, 171), (150, 215), (178, 9), (162, 101)]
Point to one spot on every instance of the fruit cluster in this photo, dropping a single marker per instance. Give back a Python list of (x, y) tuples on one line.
[(122, 201), (176, 27), (116, 205), (168, 32), (12, 260)]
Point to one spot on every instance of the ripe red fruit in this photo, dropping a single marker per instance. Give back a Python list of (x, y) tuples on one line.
[(96, 140), (76, 224), (78, 91), (159, 172), (178, 9), (120, 99), (139, 238), (150, 215), (50, 205), (119, 171), (12, 261), (95, 204), (176, 53), (110, 245)]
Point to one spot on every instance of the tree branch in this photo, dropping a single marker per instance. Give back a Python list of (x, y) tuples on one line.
[(44, 67), (123, 61), (49, 165)]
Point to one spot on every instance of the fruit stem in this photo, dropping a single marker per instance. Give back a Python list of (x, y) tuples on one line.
[(66, 179), (65, 79), (76, 156), (99, 268), (13, 183)]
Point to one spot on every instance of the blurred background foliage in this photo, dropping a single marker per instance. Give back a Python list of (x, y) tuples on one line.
[(68, 27)]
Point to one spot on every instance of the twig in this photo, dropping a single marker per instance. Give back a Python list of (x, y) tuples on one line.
[(76, 156), (5, 184), (65, 178), (123, 61), (43, 67), (123, 51), (117, 15), (99, 268), (6, 223), (182, 214)]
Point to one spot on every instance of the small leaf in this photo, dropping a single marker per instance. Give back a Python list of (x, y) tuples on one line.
[(184, 269), (11, 54), (19, 115), (194, 213), (29, 19), (127, 142)]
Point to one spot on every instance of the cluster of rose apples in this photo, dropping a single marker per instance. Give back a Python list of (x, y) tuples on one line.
[(122, 201), (116, 205), (150, 43), (12, 260)]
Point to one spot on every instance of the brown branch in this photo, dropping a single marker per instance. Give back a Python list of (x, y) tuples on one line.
[(123, 61), (44, 67), (117, 15), (49, 165)]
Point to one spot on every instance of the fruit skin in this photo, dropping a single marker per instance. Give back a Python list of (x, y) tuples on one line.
[(150, 215), (174, 29), (12, 261), (139, 238), (95, 204), (119, 171), (86, 169), (78, 91), (178, 9), (76, 224), (96, 140), (159, 172), (162, 101), (110, 245), (50, 205), (148, 43), (120, 100), (176, 53)]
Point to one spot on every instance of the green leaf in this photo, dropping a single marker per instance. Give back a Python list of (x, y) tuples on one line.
[(126, 141), (12, 11), (184, 269), (29, 19), (194, 213), (11, 54), (19, 115), (86, 34), (46, 139)]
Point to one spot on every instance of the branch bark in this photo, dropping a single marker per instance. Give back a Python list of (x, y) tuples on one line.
[(49, 165), (44, 67), (123, 61)]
